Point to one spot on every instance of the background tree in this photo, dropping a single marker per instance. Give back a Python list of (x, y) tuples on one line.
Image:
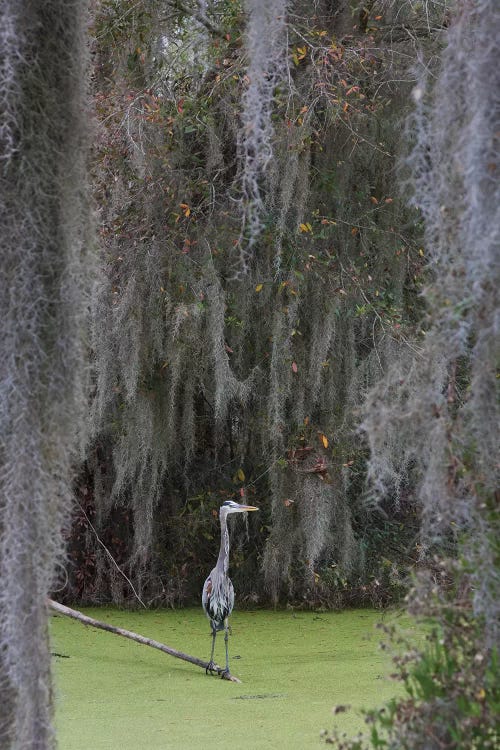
[(259, 274)]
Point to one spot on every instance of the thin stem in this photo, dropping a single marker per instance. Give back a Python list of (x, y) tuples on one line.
[(111, 556)]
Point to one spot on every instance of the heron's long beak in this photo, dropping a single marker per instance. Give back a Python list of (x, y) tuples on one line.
[(248, 507)]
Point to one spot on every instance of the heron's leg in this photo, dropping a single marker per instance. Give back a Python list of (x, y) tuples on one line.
[(211, 666), (226, 638)]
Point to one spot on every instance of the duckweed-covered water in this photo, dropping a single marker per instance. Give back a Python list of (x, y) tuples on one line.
[(114, 694)]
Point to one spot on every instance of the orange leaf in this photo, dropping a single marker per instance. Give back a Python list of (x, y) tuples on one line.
[(324, 440)]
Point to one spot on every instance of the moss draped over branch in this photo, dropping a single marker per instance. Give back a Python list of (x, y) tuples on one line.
[(44, 228)]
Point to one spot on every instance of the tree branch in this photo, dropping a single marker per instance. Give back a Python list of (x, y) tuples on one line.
[(68, 612), (407, 32)]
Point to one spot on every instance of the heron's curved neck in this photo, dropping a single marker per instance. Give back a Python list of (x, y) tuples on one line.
[(223, 560)]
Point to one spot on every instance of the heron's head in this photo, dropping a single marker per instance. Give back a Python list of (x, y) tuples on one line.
[(231, 507)]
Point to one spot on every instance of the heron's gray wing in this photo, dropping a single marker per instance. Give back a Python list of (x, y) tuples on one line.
[(205, 594)]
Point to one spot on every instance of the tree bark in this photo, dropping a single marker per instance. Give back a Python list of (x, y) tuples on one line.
[(68, 612)]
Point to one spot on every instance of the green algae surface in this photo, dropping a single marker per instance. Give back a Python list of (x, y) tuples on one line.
[(114, 694)]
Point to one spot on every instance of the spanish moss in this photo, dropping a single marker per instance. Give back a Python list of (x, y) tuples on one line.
[(43, 376)]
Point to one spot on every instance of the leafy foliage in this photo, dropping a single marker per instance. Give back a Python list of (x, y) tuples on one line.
[(451, 692)]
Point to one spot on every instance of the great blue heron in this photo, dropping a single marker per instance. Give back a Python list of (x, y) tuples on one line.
[(218, 593)]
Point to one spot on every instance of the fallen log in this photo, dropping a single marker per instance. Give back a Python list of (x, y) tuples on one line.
[(68, 612)]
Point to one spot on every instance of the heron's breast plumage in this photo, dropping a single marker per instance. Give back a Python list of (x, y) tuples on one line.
[(217, 598)]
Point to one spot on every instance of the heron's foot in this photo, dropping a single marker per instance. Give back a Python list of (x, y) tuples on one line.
[(212, 668), (224, 673)]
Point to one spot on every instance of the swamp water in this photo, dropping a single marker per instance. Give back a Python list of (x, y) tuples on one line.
[(114, 694)]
